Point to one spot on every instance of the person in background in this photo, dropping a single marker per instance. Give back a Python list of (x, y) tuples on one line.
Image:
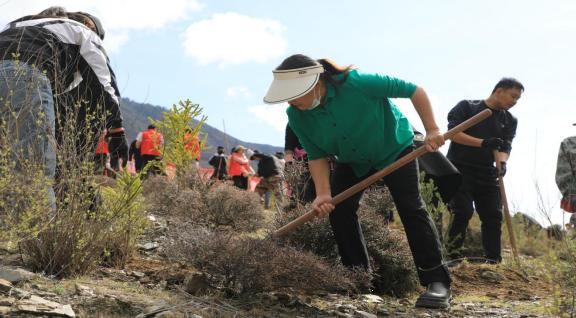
[(271, 175), (474, 153), (101, 157), (119, 157), (566, 173), (134, 156), (340, 112), (192, 147), (240, 168), (218, 162), (150, 144)]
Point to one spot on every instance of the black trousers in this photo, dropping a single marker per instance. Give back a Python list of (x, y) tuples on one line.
[(120, 152), (420, 231), (240, 182), (479, 190), (152, 170)]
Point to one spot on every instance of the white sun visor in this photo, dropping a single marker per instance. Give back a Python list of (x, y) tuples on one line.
[(291, 84)]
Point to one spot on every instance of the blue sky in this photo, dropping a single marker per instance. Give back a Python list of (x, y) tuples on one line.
[(220, 54)]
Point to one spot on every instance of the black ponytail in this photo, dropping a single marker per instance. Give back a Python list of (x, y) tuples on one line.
[(331, 69)]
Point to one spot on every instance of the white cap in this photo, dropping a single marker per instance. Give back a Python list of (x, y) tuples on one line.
[(291, 84)]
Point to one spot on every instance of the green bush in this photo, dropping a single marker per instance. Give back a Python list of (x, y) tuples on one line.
[(90, 222)]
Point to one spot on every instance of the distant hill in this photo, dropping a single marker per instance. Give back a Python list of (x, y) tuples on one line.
[(136, 119)]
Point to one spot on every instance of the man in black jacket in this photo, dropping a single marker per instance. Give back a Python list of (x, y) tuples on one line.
[(218, 162), (53, 67), (474, 153)]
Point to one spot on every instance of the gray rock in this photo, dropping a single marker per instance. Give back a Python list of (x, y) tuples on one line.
[(166, 314), (372, 299), (8, 301), (40, 306), (491, 276), (43, 293), (363, 314), (5, 311), (20, 293), (5, 286), (82, 290), (15, 274), (138, 274), (346, 308), (342, 314), (149, 246), (383, 312)]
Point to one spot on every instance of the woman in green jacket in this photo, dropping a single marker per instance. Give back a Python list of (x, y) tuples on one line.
[(341, 112)]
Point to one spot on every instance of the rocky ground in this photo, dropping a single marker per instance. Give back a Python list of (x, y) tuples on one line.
[(152, 286)]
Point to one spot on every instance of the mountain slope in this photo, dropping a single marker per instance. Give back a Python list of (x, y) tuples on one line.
[(136, 119)]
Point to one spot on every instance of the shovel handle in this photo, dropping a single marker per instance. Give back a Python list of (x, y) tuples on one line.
[(382, 173), (506, 210)]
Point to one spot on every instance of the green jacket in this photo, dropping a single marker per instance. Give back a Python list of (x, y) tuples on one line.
[(357, 122)]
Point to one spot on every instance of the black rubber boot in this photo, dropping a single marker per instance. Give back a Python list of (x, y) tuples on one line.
[(436, 296)]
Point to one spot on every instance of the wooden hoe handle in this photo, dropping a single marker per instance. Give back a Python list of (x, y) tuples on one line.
[(380, 174)]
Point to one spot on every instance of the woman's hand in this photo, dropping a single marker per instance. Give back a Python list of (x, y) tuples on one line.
[(323, 205), (434, 139)]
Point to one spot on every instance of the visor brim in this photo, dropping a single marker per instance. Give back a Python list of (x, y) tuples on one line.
[(285, 90)]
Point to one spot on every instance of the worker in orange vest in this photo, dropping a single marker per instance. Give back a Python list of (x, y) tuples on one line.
[(192, 146), (101, 156), (150, 144)]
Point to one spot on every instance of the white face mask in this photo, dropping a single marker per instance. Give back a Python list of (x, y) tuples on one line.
[(315, 102)]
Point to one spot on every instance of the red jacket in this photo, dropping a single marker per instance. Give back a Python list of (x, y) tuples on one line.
[(238, 165), (151, 143), (102, 147), (192, 145)]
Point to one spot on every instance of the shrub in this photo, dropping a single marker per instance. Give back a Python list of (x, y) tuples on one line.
[(123, 205), (167, 198), (314, 236), (87, 221), (393, 268), (228, 205), (82, 233), (378, 199), (24, 204), (248, 266)]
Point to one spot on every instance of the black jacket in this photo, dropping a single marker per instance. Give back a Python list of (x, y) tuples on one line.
[(72, 57)]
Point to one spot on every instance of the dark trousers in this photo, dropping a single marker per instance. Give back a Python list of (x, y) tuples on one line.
[(420, 230), (120, 152), (240, 182), (153, 169), (100, 163), (479, 190)]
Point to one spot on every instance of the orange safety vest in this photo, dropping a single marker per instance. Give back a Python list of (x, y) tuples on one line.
[(192, 145), (150, 143), (102, 147)]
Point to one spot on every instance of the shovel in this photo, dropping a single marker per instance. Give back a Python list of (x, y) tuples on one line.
[(382, 173), (505, 210)]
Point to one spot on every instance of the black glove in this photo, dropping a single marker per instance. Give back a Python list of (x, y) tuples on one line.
[(117, 143), (502, 169), (492, 143)]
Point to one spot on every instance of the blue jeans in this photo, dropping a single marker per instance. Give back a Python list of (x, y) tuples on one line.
[(27, 110)]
